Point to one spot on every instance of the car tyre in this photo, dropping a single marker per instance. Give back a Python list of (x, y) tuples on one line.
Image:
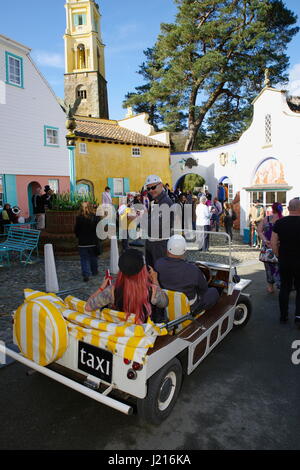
[(243, 311), (163, 389)]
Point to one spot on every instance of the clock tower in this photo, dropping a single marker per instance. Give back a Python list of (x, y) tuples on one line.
[(85, 84)]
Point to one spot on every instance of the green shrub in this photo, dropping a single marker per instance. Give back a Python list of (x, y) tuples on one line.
[(70, 202)]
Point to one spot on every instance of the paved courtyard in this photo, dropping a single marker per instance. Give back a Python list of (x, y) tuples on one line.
[(16, 278)]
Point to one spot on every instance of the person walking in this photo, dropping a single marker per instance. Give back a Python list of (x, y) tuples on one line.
[(264, 231), (85, 231), (229, 218), (286, 246), (221, 194), (203, 215)]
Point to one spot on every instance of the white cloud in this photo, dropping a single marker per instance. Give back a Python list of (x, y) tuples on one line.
[(294, 80), (49, 59)]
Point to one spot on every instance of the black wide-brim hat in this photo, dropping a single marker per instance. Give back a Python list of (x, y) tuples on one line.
[(131, 262)]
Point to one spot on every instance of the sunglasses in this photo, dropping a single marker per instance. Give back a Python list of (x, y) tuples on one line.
[(151, 188)]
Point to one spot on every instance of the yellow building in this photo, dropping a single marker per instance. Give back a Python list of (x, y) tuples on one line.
[(118, 154), (110, 154)]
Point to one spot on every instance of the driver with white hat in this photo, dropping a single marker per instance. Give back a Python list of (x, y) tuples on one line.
[(157, 247), (174, 273)]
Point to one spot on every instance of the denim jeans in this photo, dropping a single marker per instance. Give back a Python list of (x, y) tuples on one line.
[(88, 260)]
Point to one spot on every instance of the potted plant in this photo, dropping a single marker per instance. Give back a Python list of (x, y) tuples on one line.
[(60, 221)]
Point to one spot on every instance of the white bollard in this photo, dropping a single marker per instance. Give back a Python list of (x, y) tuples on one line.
[(50, 269), (114, 255)]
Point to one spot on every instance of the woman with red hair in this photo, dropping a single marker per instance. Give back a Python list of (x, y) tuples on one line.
[(136, 291), (264, 231)]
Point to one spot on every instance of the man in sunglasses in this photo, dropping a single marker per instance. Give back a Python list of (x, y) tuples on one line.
[(156, 246)]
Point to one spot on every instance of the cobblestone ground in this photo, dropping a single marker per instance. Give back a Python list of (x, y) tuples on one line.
[(14, 279)]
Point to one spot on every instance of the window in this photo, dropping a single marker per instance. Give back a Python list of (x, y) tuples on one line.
[(54, 185), (230, 192), (268, 129), (79, 19), (50, 136), (136, 152), (267, 198), (118, 186), (82, 147), (14, 70), (81, 94)]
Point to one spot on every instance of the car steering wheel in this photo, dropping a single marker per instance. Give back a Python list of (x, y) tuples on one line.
[(206, 272)]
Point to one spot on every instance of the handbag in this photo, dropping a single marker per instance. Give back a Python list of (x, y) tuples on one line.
[(267, 255)]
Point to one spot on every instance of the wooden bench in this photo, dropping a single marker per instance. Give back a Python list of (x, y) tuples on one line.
[(22, 240)]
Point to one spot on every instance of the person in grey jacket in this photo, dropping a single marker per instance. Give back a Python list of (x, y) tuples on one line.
[(174, 273)]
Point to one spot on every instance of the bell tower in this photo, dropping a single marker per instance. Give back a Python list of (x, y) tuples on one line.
[(85, 84)]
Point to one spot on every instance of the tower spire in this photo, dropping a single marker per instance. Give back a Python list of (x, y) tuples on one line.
[(84, 59)]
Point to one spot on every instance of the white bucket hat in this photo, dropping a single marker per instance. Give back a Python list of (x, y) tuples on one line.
[(152, 179), (176, 245)]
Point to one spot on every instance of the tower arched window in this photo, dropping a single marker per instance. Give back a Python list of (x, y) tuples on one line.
[(81, 56)]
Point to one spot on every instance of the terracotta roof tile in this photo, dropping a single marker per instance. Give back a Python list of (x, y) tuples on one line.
[(112, 132)]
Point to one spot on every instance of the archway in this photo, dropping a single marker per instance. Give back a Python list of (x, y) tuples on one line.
[(85, 187), (31, 190), (227, 183), (190, 182)]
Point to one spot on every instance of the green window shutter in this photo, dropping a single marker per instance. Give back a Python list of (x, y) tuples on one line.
[(76, 20), (126, 185), (110, 183)]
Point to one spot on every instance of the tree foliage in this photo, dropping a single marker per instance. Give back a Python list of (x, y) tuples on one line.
[(207, 66)]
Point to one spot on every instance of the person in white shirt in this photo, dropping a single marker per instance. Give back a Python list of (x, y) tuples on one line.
[(203, 216), (106, 196)]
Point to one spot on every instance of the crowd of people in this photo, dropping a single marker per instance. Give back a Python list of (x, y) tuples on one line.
[(40, 202), (137, 288)]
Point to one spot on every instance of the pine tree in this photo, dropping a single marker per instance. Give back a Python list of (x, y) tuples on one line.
[(213, 58)]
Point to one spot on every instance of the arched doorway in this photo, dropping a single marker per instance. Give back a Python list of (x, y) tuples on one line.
[(190, 182), (227, 183), (31, 190)]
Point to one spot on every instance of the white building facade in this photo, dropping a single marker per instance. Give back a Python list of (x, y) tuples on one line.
[(264, 164), (32, 126)]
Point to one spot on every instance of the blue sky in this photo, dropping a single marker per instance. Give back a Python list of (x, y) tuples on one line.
[(128, 28)]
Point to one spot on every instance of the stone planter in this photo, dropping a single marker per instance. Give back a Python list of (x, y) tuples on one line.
[(60, 221), (59, 232)]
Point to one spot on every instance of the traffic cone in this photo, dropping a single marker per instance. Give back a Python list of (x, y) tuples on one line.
[(114, 255), (50, 269)]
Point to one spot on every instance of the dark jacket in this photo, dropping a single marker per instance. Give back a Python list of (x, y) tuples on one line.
[(38, 204), (85, 230), (180, 275), (162, 199)]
